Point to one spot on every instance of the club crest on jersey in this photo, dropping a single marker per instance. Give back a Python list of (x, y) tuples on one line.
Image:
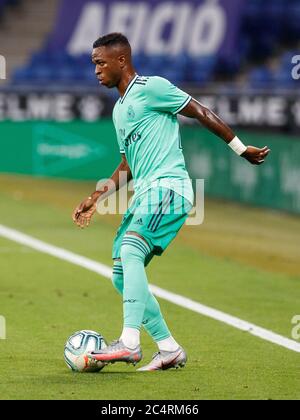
[(130, 113), (122, 132)]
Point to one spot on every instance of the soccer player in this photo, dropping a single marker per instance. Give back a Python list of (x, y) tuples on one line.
[(145, 119)]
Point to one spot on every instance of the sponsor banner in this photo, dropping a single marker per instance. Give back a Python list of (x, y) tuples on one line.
[(45, 106), (245, 111), (194, 27), (254, 110), (71, 150), (275, 184)]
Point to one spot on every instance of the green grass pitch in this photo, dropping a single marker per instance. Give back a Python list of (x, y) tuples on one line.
[(242, 261)]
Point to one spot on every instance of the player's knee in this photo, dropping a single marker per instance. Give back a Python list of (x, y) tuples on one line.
[(133, 248), (132, 253)]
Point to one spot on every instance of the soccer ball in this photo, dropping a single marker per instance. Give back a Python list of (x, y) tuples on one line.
[(77, 347)]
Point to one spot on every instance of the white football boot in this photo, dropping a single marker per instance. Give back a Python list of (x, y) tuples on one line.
[(163, 360)]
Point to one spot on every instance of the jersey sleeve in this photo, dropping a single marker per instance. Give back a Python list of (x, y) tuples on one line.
[(162, 95)]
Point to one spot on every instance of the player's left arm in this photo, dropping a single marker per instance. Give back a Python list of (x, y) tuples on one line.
[(208, 119)]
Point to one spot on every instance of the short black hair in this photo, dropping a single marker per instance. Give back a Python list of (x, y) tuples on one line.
[(111, 39)]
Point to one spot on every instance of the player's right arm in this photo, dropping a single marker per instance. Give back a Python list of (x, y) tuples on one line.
[(84, 212)]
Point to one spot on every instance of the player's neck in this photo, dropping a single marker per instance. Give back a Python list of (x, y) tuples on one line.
[(125, 81)]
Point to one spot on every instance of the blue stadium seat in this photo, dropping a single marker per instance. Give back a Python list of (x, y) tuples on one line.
[(200, 70), (82, 60), (41, 74), (174, 75), (65, 74), (204, 63), (139, 60), (283, 79), (228, 65), (156, 63), (260, 77), (22, 76), (87, 75), (38, 58)]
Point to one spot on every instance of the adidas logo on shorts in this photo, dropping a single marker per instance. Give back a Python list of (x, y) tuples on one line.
[(139, 222)]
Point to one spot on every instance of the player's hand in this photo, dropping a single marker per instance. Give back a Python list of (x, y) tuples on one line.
[(255, 155), (83, 213)]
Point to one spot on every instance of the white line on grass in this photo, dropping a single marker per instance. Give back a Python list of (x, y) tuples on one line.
[(182, 301)]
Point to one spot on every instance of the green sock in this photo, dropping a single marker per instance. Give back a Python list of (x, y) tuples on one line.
[(135, 292), (153, 321)]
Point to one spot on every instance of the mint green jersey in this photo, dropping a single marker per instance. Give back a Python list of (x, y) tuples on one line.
[(148, 133)]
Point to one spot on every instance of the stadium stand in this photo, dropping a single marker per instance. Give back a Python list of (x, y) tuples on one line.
[(269, 37), (23, 28)]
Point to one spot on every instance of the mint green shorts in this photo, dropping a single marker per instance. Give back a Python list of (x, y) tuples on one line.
[(157, 215)]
